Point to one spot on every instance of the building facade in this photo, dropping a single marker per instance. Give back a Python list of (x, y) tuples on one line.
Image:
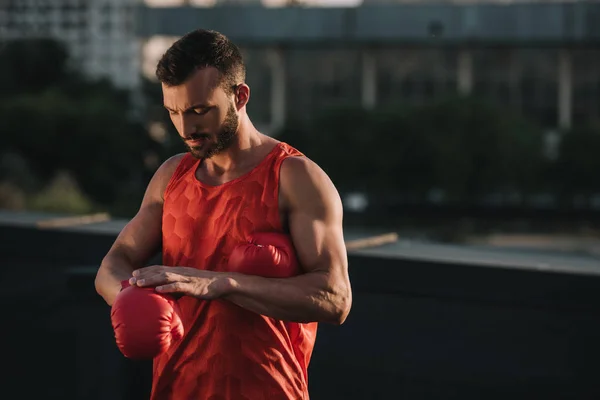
[(100, 34), (542, 58)]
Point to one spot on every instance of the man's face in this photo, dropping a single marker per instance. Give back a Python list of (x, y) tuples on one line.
[(204, 115)]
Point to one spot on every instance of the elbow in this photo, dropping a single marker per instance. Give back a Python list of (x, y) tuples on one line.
[(342, 312), (341, 307), (103, 292), (98, 284), (113, 269), (101, 285)]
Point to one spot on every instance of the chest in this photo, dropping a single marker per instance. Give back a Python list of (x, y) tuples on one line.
[(234, 208), (202, 223)]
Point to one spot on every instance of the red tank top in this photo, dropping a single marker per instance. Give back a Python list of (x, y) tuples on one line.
[(227, 353)]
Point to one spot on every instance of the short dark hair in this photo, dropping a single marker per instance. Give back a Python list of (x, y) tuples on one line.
[(199, 49)]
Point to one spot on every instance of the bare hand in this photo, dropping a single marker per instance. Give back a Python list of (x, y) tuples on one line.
[(187, 281)]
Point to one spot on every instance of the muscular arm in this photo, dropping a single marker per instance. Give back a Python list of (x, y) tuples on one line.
[(139, 240), (323, 292)]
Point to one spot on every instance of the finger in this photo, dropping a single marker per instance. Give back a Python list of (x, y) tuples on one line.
[(144, 274), (148, 270), (157, 278), (150, 281), (172, 287)]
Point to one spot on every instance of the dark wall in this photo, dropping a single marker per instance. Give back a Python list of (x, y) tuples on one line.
[(435, 331), (417, 330)]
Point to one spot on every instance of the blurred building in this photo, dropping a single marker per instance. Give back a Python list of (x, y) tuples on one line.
[(541, 57), (100, 34)]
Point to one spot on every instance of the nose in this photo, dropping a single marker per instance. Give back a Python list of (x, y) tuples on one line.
[(185, 125)]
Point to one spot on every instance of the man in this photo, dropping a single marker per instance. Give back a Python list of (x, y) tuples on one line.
[(246, 336)]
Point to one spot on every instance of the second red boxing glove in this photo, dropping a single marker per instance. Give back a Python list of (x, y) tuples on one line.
[(145, 323), (267, 254)]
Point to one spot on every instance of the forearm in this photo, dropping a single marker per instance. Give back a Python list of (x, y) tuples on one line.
[(114, 269), (310, 297)]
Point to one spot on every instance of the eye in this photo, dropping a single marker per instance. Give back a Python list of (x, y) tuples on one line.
[(201, 111)]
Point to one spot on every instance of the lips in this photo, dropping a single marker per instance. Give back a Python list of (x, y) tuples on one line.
[(195, 142)]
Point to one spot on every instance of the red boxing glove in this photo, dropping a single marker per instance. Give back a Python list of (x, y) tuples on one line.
[(267, 254), (146, 323)]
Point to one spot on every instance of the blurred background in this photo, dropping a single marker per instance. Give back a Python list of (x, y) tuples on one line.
[(446, 120), (468, 127)]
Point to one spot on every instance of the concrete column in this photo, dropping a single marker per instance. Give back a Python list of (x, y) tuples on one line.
[(276, 62), (368, 80), (464, 72), (565, 89)]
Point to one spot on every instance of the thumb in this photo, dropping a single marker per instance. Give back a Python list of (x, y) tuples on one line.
[(177, 330)]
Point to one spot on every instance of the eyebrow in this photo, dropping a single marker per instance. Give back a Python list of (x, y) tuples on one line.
[(200, 105)]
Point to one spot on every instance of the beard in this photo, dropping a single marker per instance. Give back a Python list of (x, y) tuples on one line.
[(225, 137)]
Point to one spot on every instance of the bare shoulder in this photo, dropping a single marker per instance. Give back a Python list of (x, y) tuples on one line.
[(169, 166), (305, 184), (301, 169), (162, 176)]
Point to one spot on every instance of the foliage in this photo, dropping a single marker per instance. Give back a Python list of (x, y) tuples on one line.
[(476, 148), (462, 146), (29, 65), (61, 195), (59, 121)]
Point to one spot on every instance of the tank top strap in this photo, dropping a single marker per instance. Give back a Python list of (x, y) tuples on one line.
[(271, 178), (187, 162), (285, 151)]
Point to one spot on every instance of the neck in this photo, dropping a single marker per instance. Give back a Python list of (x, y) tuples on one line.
[(247, 138)]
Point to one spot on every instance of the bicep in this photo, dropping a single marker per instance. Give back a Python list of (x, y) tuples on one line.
[(315, 219), (141, 238), (319, 243)]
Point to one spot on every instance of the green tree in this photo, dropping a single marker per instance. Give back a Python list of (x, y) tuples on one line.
[(349, 144), (30, 65), (463, 146), (65, 122), (477, 148)]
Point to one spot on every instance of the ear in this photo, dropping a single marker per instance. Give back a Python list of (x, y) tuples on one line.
[(242, 95)]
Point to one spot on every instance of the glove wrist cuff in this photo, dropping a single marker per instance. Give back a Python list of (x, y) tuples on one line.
[(125, 284)]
